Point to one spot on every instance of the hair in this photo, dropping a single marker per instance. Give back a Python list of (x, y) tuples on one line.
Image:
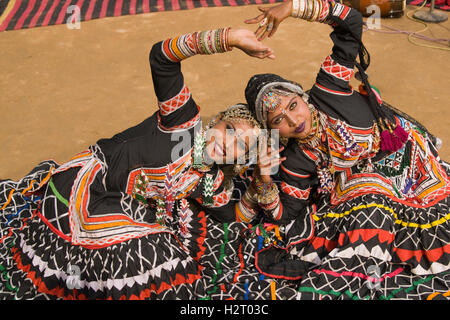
[(281, 91)]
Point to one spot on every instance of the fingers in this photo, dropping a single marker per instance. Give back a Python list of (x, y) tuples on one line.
[(276, 23), (267, 54), (274, 15), (271, 157), (256, 19), (260, 31), (268, 28), (263, 9), (269, 161)]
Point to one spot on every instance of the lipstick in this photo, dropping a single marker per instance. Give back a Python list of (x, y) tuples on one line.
[(300, 128)]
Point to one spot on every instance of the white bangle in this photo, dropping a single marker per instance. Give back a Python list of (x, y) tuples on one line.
[(295, 8)]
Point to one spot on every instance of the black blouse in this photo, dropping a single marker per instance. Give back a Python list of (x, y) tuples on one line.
[(333, 95)]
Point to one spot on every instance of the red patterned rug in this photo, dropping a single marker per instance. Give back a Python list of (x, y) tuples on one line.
[(22, 14)]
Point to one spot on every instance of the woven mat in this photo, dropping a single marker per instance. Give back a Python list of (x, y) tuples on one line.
[(22, 14)]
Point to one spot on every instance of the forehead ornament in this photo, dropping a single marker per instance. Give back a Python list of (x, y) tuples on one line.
[(271, 101)]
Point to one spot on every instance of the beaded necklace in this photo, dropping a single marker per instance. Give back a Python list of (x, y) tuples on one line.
[(324, 162), (313, 139), (198, 163)]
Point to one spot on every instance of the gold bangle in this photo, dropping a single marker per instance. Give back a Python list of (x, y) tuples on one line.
[(270, 196), (310, 10), (250, 195)]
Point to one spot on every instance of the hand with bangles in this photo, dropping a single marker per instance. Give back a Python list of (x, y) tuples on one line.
[(270, 19), (265, 191)]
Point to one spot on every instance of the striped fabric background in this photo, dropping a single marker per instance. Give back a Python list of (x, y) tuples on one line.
[(21, 14)]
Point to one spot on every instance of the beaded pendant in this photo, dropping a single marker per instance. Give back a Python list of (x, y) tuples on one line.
[(183, 217), (350, 144), (198, 159), (199, 147), (325, 179), (139, 191), (160, 211), (168, 191), (208, 190)]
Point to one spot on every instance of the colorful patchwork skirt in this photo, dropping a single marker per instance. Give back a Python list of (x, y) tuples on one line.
[(47, 253), (367, 247), (384, 233)]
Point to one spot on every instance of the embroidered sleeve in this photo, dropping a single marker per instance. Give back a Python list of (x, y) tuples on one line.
[(177, 108), (297, 178), (337, 68), (228, 206)]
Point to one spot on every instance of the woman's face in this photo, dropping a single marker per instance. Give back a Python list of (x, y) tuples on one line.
[(291, 117), (228, 141)]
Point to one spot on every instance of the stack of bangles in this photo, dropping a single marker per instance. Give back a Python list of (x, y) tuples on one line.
[(310, 10), (211, 41), (266, 194), (200, 42)]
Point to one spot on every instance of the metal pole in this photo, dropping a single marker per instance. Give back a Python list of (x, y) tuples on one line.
[(432, 15)]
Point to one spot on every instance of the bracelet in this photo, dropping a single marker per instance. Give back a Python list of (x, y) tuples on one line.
[(261, 187), (310, 10), (212, 41), (250, 196), (319, 11), (217, 36), (295, 8), (271, 206), (304, 9), (195, 41), (325, 9), (269, 197), (226, 34), (314, 11)]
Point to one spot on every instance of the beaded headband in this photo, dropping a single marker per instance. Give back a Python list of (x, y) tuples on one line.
[(236, 113), (271, 101), (262, 108)]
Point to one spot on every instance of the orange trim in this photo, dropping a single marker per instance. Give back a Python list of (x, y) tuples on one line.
[(175, 49), (9, 199), (292, 173), (168, 52), (273, 290), (81, 206)]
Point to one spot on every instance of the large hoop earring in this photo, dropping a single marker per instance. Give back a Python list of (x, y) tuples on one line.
[(284, 141)]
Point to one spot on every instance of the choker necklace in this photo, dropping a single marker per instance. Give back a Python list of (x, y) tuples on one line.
[(313, 139)]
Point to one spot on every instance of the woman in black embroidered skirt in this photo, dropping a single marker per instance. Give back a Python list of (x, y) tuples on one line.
[(114, 222)]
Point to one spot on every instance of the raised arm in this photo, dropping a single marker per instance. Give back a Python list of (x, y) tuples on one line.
[(176, 106), (337, 69)]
